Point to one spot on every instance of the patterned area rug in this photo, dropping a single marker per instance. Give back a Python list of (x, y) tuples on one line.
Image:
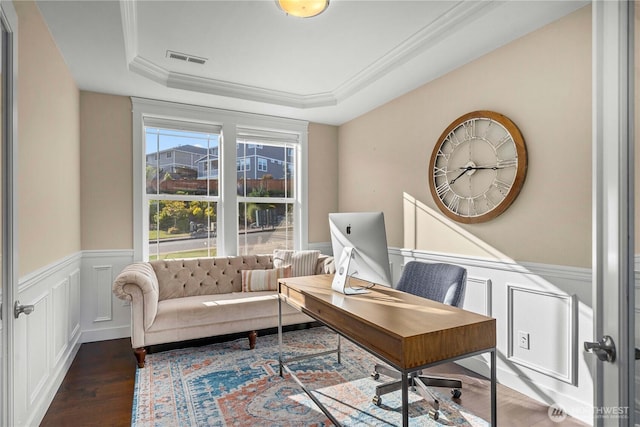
[(226, 384)]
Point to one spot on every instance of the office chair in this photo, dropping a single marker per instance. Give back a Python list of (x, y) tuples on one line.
[(444, 283)]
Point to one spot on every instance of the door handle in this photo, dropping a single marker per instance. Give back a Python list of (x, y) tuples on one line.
[(605, 348), (19, 308)]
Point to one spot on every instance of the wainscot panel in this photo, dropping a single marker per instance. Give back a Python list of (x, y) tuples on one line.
[(548, 307), (103, 316), (47, 340)]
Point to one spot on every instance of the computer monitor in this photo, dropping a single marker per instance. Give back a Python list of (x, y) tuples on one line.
[(359, 242)]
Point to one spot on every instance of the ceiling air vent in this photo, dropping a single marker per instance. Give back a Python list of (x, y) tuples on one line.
[(186, 57)]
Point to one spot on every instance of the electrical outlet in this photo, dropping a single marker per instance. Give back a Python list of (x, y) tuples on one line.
[(523, 340)]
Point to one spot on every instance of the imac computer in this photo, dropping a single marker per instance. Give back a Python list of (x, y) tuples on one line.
[(359, 242)]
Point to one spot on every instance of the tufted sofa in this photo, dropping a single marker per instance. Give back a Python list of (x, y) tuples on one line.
[(178, 300)]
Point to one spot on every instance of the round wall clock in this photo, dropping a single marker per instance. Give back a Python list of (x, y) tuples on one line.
[(477, 167)]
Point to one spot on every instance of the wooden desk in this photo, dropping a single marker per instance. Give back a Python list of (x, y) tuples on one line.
[(406, 331)]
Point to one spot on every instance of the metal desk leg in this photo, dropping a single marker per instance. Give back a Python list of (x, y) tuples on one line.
[(405, 399), (280, 335), (494, 403)]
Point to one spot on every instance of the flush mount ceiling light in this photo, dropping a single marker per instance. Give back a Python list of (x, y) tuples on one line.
[(303, 8)]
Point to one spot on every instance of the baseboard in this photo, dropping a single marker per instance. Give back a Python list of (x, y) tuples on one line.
[(105, 334)]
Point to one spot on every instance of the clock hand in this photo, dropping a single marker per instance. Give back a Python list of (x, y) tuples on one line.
[(467, 169), (486, 167), (494, 167), (471, 168)]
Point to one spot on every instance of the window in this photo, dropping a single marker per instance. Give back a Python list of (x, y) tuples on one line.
[(266, 199), (243, 164), (182, 208), (204, 209)]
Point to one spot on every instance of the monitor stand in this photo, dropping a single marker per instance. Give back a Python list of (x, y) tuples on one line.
[(341, 277)]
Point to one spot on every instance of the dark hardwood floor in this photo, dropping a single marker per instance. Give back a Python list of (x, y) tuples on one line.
[(98, 391)]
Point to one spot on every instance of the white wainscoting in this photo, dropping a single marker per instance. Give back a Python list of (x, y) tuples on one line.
[(47, 340), (552, 305), (74, 304), (103, 315)]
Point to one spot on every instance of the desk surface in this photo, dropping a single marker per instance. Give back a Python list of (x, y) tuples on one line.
[(407, 331)]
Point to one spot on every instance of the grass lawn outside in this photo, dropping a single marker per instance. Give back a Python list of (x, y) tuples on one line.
[(161, 234)]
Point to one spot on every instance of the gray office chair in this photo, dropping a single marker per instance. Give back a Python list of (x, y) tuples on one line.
[(444, 283)]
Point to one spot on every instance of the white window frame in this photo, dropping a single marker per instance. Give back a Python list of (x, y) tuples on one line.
[(262, 164), (227, 236), (243, 165)]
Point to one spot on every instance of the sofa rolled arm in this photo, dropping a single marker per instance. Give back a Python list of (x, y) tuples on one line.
[(140, 274), (138, 283)]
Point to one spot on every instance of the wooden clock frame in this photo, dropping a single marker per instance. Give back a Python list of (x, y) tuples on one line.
[(520, 175)]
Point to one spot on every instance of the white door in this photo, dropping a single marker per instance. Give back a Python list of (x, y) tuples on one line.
[(8, 123), (613, 207)]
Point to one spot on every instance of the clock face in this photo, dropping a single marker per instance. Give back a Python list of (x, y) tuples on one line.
[(477, 167)]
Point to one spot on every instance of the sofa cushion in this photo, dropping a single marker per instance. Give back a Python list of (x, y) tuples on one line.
[(303, 263), (211, 310), (263, 280)]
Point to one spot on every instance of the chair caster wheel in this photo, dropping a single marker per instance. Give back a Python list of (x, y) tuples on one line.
[(434, 415), (456, 393), (375, 375), (377, 400)]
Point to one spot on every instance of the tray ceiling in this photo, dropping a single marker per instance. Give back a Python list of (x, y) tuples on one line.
[(250, 56)]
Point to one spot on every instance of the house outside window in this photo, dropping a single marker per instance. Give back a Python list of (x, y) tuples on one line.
[(179, 203), (266, 196), (182, 209)]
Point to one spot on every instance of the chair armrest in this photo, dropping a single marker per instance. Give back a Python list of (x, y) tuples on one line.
[(138, 283)]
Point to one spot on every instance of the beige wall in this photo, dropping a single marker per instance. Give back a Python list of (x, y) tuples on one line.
[(106, 171), (323, 180), (107, 174), (543, 83), (48, 147)]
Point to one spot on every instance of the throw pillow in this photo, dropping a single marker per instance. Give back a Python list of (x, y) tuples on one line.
[(303, 263), (263, 280)]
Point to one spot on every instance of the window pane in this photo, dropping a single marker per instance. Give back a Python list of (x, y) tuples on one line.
[(265, 170), (264, 227), (182, 229), (181, 162)]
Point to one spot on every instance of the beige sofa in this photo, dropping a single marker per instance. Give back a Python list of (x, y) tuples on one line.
[(178, 300)]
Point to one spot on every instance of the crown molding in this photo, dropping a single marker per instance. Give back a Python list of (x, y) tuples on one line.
[(420, 41), (128, 12), (251, 93)]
